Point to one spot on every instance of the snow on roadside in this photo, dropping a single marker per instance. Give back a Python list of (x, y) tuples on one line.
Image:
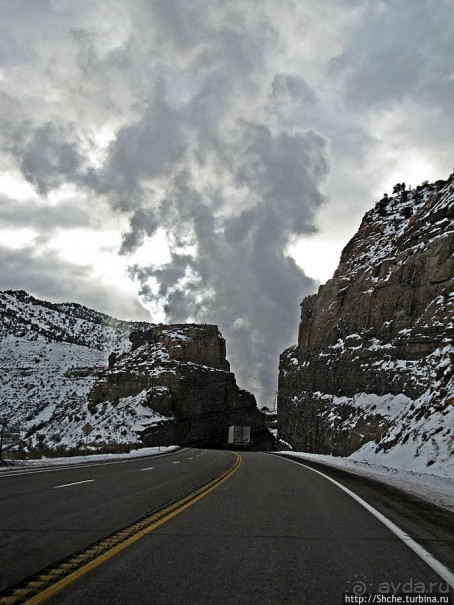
[(435, 489), (68, 460)]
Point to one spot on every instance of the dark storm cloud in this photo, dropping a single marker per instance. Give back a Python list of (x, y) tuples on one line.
[(49, 155), (147, 149), (143, 222), (291, 87), (400, 50), (237, 275)]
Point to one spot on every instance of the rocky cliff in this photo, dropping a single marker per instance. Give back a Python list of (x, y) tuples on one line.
[(63, 365), (372, 369), (181, 373)]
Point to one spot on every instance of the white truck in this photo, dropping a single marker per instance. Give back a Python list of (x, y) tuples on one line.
[(239, 436)]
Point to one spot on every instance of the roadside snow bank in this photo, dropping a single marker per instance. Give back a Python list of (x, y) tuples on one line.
[(140, 453), (433, 488)]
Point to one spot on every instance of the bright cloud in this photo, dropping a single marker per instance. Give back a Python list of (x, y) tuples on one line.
[(211, 159)]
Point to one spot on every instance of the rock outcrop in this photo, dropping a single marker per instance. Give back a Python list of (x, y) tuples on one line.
[(181, 373), (374, 355), (63, 365)]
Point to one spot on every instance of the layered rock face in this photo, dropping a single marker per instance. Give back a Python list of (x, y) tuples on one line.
[(374, 354), (181, 373)]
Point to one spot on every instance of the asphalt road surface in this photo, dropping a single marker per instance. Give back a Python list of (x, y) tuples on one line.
[(274, 532), (46, 515)]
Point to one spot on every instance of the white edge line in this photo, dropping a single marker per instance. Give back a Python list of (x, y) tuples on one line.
[(438, 567), (75, 483)]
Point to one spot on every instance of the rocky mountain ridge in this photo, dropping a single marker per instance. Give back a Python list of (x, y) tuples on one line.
[(63, 366), (23, 316), (372, 370)]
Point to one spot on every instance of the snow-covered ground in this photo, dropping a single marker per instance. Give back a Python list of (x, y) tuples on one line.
[(37, 376), (44, 391), (50, 358), (93, 458), (420, 432), (433, 488)]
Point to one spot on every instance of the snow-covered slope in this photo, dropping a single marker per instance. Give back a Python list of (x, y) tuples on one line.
[(372, 374), (50, 356), (30, 319)]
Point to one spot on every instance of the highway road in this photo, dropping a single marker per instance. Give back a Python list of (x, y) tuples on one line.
[(49, 514), (274, 532)]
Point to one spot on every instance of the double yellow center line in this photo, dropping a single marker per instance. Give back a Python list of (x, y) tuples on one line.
[(54, 579)]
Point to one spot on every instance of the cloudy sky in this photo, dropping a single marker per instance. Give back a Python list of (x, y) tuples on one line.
[(204, 160)]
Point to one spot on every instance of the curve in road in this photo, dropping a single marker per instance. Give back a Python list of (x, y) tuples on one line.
[(274, 533)]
